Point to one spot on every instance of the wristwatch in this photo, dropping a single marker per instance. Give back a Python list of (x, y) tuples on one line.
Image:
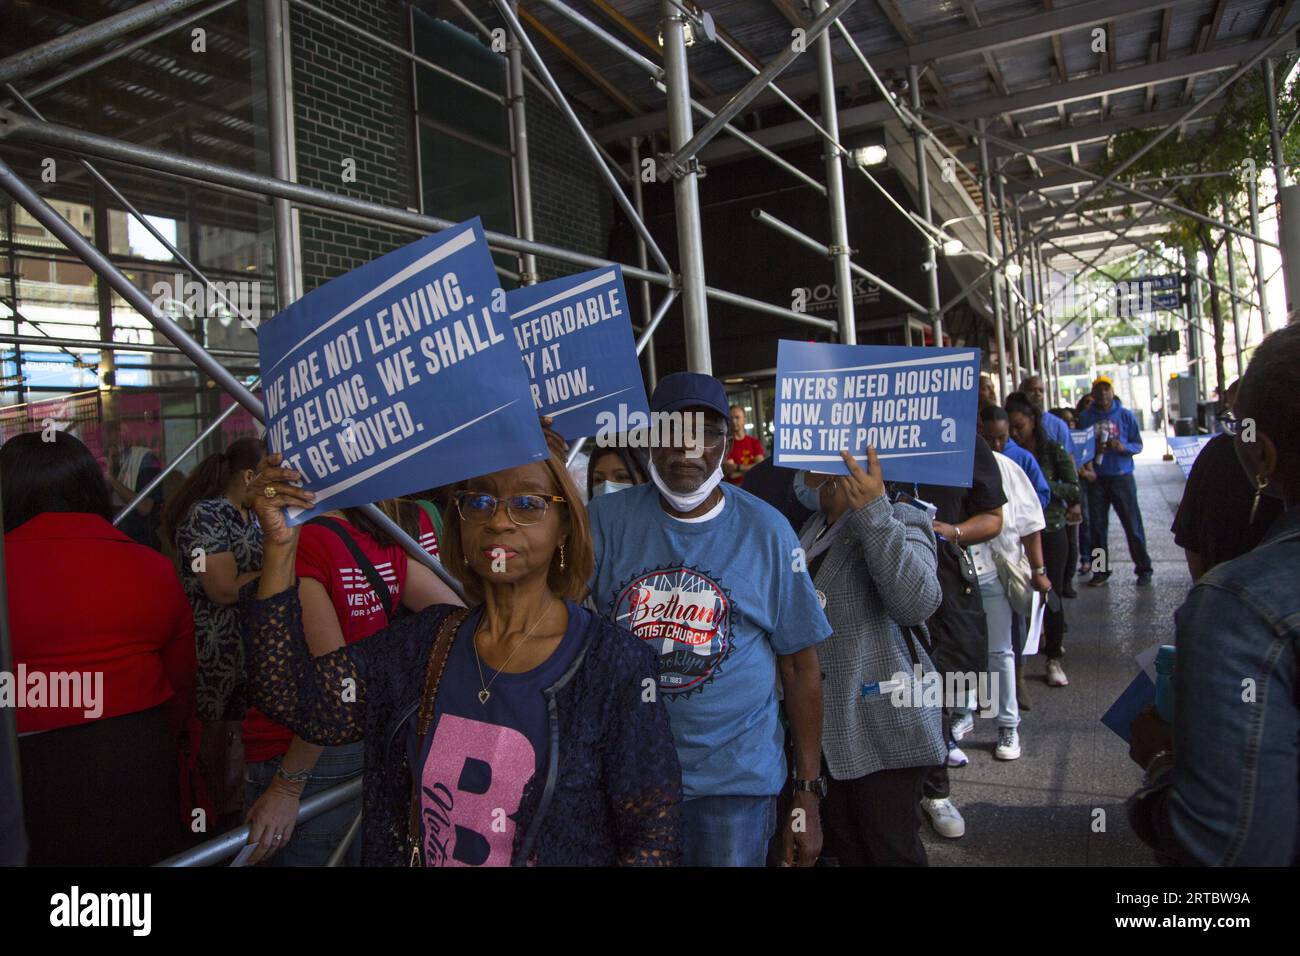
[(1042, 570), (817, 786)]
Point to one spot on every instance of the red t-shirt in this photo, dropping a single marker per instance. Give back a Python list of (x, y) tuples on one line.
[(88, 603), (744, 451), (323, 557)]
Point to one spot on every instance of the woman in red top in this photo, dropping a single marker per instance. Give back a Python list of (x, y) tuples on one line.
[(104, 667), (340, 606)]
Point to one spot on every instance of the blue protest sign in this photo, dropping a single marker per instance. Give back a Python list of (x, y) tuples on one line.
[(1186, 448), (575, 336), (916, 406), (1083, 445), (398, 376)]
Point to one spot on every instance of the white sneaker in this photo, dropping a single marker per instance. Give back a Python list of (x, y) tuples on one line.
[(962, 726), (945, 819), (956, 757), (1008, 744), (1056, 674)]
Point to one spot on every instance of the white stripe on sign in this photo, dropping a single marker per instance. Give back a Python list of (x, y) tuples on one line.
[(587, 286), (325, 494), (863, 459), (935, 360), (590, 401), (448, 248)]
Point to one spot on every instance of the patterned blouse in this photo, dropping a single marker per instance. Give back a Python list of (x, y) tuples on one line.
[(215, 526)]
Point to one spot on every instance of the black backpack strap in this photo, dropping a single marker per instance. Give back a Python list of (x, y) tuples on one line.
[(377, 583)]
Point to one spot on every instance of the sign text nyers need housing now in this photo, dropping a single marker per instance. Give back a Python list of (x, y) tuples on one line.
[(891, 420)]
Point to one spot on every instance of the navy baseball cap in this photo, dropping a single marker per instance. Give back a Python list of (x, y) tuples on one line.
[(687, 390)]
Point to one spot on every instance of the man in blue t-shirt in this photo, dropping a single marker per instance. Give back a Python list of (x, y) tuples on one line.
[(711, 578), (1118, 440)]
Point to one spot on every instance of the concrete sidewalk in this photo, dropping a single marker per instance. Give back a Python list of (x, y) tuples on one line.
[(1040, 809)]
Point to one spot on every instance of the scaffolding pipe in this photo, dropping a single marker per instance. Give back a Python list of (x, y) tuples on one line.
[(686, 196), (999, 319), (1261, 278), (54, 51), (604, 36), (519, 161), (1231, 243), (100, 264), (789, 231), (1008, 284), (638, 200), (278, 120), (584, 137), (931, 266), (751, 89), (839, 246)]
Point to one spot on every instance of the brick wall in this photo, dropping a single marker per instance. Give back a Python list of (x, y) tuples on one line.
[(572, 206), (351, 99)]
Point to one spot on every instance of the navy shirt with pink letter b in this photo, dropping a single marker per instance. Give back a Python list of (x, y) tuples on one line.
[(477, 758)]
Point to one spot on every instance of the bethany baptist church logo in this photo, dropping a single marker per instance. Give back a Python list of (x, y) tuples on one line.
[(685, 615)]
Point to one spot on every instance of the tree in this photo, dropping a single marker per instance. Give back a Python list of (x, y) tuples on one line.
[(1238, 142)]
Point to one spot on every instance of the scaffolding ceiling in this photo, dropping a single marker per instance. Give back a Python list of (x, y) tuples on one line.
[(1053, 76)]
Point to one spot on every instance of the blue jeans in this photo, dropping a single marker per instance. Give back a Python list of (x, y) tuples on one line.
[(727, 831), (1120, 491), (314, 840)]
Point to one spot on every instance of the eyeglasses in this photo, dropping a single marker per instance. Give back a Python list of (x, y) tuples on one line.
[(477, 507), (709, 439)]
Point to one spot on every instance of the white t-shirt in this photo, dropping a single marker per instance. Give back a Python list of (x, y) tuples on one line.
[(1021, 515)]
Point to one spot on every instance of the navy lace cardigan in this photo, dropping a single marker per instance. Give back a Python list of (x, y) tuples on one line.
[(613, 793)]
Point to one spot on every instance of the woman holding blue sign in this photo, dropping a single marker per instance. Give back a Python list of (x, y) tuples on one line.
[(526, 731)]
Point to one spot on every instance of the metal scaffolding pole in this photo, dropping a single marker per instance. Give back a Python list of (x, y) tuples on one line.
[(751, 89), (1014, 378), (1261, 277), (519, 158), (835, 185), (1279, 169), (54, 51), (1023, 335), (995, 280), (100, 264), (786, 229), (584, 137), (931, 266), (638, 200), (1231, 243), (278, 120), (686, 196)]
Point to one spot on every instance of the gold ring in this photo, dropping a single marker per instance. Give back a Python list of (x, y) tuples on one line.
[(269, 491)]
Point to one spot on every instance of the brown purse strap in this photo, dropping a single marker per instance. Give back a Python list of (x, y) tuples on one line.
[(437, 663)]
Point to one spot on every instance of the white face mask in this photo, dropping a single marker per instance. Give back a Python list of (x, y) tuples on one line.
[(608, 488), (682, 503)]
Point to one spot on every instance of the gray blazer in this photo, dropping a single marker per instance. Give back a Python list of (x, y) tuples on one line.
[(880, 572)]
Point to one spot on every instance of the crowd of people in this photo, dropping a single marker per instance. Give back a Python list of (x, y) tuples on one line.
[(683, 655)]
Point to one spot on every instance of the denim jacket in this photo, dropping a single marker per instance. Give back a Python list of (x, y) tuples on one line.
[(1232, 797)]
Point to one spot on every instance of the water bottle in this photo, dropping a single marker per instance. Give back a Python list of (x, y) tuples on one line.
[(1165, 682)]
